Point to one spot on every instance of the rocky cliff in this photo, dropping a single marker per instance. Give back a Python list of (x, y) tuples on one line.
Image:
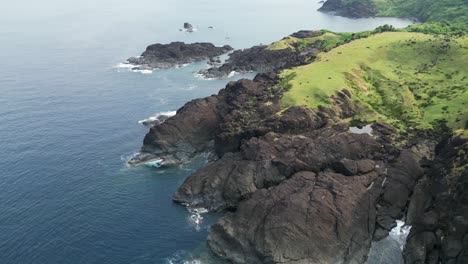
[(298, 185)]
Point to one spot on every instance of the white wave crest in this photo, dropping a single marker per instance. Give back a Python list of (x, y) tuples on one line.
[(195, 218), (157, 118), (182, 257), (400, 233), (132, 67), (179, 66), (389, 250), (233, 73), (124, 65), (201, 76), (143, 71), (127, 157)]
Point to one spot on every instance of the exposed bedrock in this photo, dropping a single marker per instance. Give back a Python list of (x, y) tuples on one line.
[(438, 209), (319, 196), (259, 59), (268, 160), (192, 130), (308, 218), (163, 56)]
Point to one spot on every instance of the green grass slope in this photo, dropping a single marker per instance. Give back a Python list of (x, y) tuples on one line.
[(407, 79), (454, 11)]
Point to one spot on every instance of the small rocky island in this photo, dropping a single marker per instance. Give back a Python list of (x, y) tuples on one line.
[(164, 56)]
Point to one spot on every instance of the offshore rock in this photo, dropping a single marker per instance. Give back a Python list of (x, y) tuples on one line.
[(163, 56)]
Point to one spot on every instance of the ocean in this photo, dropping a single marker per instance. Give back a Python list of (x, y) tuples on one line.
[(69, 120)]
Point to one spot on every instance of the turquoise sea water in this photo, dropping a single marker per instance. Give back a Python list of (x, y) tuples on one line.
[(68, 120)]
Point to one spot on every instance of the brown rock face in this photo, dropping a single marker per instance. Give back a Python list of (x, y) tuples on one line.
[(188, 131), (439, 208), (267, 161), (309, 218), (200, 122)]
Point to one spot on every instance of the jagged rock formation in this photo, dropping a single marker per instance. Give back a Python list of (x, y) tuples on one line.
[(439, 208), (259, 59), (299, 187), (163, 56), (337, 190)]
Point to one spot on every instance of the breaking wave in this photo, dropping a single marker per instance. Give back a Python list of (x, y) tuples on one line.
[(182, 257), (133, 68), (390, 249), (196, 217), (157, 119)]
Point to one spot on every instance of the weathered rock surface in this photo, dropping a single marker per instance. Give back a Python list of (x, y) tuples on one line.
[(163, 56), (299, 187), (258, 59), (198, 123), (309, 218), (279, 215), (268, 160), (337, 190), (439, 208), (262, 59)]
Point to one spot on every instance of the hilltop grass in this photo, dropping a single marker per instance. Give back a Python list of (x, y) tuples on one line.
[(323, 40), (453, 11), (403, 78)]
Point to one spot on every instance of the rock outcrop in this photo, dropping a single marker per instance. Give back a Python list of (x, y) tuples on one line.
[(163, 56), (438, 209), (264, 58), (298, 186), (327, 193), (199, 123), (268, 160), (308, 218), (259, 59)]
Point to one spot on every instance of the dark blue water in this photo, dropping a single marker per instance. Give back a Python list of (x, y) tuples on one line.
[(68, 120)]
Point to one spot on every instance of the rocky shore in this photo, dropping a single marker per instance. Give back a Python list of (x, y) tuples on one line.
[(298, 184), (263, 59), (258, 59), (302, 176), (163, 56)]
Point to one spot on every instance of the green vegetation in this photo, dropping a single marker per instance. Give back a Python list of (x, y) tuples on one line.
[(325, 40), (454, 11), (407, 79), (438, 28)]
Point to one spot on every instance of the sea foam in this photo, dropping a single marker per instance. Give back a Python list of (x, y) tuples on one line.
[(195, 218), (132, 67), (157, 117)]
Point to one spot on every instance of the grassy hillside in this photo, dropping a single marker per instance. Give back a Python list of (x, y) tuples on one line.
[(454, 11), (404, 78), (321, 40), (325, 40)]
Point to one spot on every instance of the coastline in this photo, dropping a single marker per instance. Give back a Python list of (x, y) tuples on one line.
[(267, 154)]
